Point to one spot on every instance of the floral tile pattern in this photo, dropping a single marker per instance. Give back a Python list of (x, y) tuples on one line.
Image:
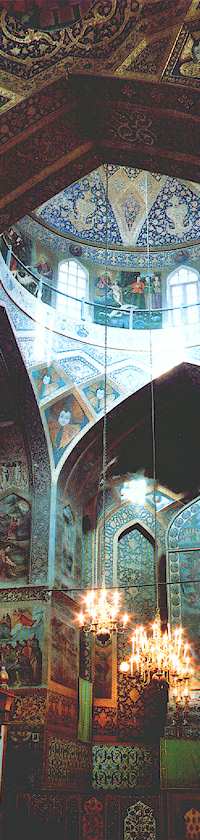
[(78, 368)]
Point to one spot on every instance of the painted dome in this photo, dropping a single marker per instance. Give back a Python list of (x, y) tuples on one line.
[(169, 209)]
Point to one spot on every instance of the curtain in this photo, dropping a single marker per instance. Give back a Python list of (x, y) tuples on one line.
[(85, 710), (179, 763)]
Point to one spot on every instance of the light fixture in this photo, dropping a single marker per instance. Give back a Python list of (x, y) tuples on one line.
[(158, 655), (101, 610), (101, 615)]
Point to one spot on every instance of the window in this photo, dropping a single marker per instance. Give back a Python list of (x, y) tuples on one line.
[(183, 289), (73, 281)]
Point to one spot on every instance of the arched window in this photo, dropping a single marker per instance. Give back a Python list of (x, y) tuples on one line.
[(183, 291), (73, 280)]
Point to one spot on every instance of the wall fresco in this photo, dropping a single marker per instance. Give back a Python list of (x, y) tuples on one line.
[(21, 643), (15, 522), (103, 669), (64, 652), (66, 419)]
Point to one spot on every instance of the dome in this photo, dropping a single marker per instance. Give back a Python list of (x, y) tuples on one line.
[(137, 201)]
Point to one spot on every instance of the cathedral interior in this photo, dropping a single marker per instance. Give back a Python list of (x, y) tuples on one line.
[(99, 419)]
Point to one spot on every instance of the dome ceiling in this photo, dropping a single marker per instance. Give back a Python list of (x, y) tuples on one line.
[(80, 210)]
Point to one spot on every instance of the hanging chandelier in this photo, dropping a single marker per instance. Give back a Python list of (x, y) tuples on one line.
[(101, 615), (159, 655)]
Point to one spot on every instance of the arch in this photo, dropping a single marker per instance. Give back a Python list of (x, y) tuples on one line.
[(183, 566), (183, 292), (73, 279), (124, 517), (139, 823), (135, 567)]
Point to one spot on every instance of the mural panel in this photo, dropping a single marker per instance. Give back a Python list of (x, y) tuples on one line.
[(105, 668), (48, 379), (21, 640), (65, 420), (15, 521), (64, 653)]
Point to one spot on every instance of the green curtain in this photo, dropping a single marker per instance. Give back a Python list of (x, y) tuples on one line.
[(179, 763), (85, 710)]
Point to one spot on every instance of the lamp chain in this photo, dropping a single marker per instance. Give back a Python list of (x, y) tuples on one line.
[(152, 403), (105, 383)]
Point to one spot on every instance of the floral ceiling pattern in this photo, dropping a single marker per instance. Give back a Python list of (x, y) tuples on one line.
[(173, 209)]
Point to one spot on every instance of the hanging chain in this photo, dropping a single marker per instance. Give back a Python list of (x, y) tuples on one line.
[(105, 384), (152, 402)]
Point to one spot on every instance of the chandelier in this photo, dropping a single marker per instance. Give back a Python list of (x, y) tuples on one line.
[(101, 615), (160, 655), (101, 611)]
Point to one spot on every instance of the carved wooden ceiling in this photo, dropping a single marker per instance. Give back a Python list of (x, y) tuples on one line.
[(121, 84)]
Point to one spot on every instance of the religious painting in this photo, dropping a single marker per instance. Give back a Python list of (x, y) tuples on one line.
[(127, 297), (64, 653), (48, 379), (95, 393), (15, 522), (105, 668), (21, 636), (66, 419)]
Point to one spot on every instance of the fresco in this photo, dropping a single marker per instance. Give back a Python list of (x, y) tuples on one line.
[(65, 419), (15, 521), (125, 291), (48, 379), (94, 392), (21, 637), (103, 670), (64, 654)]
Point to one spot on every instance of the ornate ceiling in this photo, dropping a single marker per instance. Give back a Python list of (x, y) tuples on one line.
[(155, 40), (120, 83), (80, 210)]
